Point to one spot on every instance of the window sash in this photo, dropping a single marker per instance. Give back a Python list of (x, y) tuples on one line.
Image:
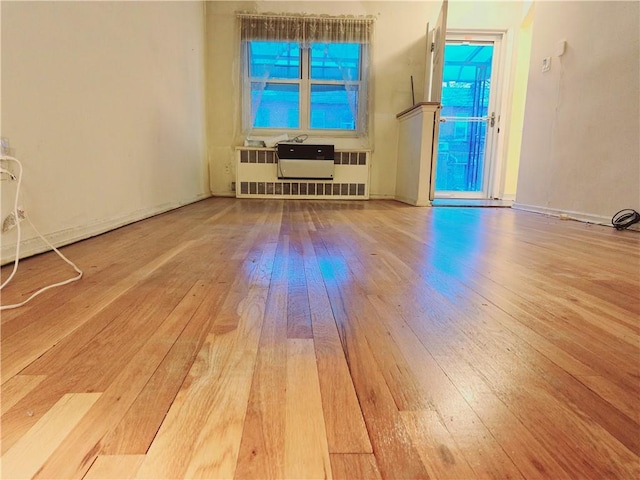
[(305, 85)]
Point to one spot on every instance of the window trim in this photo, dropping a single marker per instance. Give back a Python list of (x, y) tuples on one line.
[(305, 83)]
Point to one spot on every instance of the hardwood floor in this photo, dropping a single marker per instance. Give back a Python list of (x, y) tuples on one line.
[(306, 339)]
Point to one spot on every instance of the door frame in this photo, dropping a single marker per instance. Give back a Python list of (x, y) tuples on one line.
[(493, 168)]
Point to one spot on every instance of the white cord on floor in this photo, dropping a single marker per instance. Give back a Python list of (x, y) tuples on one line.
[(17, 218)]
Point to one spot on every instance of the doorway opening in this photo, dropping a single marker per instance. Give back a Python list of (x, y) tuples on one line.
[(469, 119)]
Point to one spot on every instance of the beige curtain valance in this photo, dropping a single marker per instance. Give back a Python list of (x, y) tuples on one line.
[(306, 29)]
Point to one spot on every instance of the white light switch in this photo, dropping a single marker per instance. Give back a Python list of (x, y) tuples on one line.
[(546, 64)]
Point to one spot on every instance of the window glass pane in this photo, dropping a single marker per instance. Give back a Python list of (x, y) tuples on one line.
[(465, 93), (334, 107), (277, 105), (335, 61), (466, 80), (274, 60)]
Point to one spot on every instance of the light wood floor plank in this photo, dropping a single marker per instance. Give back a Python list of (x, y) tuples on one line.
[(214, 399), (35, 341), (354, 466), (136, 431), (502, 375), (298, 312), (27, 456), (114, 467), (437, 397), (437, 448), (16, 388), (306, 453), (98, 362), (261, 454), (534, 412), (77, 452), (390, 441), (346, 430)]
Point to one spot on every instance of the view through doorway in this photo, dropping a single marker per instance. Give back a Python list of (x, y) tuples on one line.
[(469, 118)]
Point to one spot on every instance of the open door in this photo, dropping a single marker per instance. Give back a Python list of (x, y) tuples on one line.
[(436, 39), (429, 66)]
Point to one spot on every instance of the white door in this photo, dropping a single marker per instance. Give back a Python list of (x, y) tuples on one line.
[(435, 56), (469, 117)]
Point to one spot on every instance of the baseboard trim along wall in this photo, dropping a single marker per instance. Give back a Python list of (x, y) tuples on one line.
[(382, 196), (34, 246), (569, 214)]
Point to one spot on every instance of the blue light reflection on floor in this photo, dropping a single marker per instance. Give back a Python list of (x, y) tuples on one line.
[(334, 268), (457, 259)]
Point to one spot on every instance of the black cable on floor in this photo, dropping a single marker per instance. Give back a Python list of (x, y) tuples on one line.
[(625, 218)]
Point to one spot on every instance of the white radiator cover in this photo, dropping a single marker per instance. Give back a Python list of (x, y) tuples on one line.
[(257, 177), (307, 169)]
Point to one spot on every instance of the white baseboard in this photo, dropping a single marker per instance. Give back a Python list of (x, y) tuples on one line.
[(573, 215), (35, 245), (381, 196), (411, 201)]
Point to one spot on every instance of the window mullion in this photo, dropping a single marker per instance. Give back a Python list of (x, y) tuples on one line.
[(275, 80), (305, 99)]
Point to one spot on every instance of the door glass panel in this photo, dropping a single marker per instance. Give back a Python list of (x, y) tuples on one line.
[(465, 108), (460, 166)]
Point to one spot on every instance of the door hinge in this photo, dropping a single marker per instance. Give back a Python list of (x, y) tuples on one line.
[(433, 46)]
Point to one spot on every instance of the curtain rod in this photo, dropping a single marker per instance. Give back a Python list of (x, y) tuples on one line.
[(367, 18)]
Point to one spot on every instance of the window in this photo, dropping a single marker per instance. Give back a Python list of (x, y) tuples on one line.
[(274, 103), (290, 82), (334, 79)]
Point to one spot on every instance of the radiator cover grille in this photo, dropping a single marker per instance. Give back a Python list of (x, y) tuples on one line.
[(257, 177), (310, 189)]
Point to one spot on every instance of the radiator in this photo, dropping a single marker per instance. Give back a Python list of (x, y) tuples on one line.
[(257, 177)]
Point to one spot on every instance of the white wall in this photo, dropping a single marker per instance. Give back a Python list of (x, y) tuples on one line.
[(580, 145), (104, 103), (518, 97), (398, 52)]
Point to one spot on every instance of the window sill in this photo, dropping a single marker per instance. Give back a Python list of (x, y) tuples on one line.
[(341, 140)]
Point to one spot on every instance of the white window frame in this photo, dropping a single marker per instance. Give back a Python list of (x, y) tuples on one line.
[(305, 83)]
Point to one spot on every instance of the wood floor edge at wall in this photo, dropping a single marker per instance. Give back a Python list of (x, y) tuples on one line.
[(67, 236), (258, 339), (563, 214)]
